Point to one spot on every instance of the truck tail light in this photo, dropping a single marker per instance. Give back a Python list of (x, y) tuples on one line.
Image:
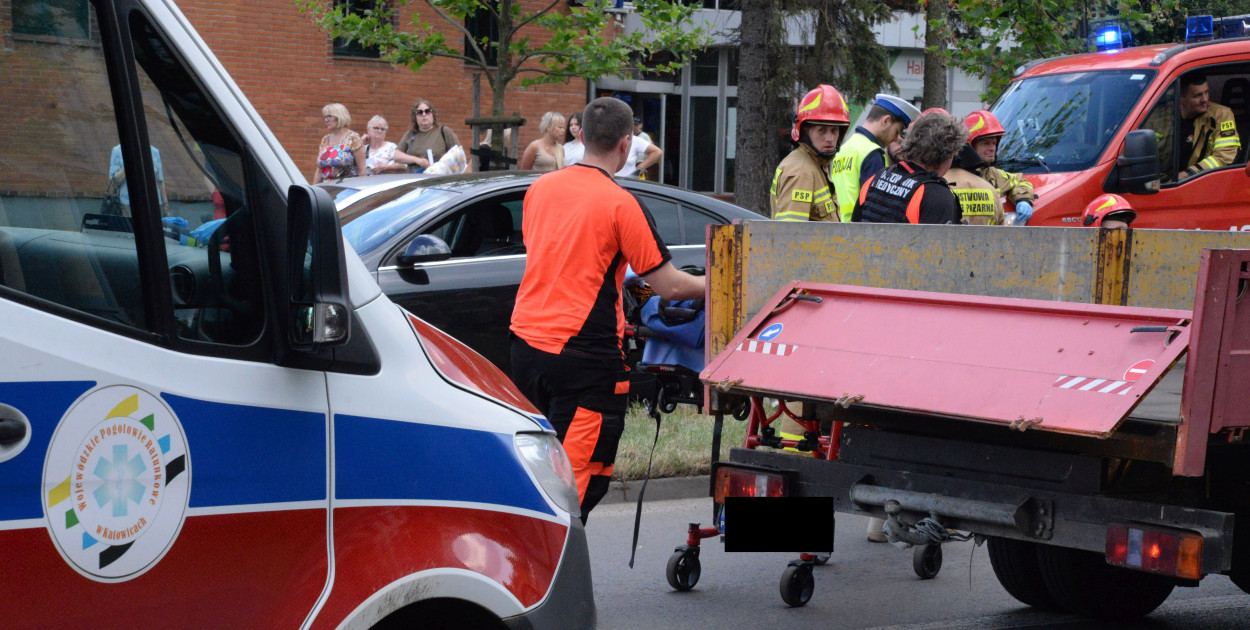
[(740, 482), (1173, 553)]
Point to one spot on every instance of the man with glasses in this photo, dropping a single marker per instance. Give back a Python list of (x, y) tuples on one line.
[(863, 154)]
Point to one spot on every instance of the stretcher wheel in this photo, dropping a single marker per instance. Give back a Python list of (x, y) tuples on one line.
[(927, 561), (683, 570), (797, 584), (821, 559)]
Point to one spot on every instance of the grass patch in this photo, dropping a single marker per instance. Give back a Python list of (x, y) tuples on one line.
[(685, 447)]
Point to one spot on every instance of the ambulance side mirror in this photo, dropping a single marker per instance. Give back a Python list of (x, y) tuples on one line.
[(320, 312), (1137, 169)]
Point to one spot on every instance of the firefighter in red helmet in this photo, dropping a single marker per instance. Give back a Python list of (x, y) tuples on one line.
[(1109, 211), (801, 190), (984, 134)]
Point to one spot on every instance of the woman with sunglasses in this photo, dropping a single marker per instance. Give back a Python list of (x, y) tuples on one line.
[(427, 138)]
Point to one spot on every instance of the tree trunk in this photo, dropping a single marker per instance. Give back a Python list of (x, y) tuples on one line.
[(934, 66), (754, 163)]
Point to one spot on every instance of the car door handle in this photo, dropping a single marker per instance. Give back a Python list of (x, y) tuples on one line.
[(12, 431)]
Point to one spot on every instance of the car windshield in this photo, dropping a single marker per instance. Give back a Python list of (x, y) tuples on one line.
[(1063, 122), (373, 220)]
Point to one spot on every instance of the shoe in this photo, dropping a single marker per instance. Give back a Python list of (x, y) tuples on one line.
[(875, 532)]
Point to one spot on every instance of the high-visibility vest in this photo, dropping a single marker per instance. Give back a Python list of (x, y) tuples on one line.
[(844, 171)]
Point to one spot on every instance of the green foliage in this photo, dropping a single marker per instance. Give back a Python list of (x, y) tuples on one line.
[(991, 38), (577, 42)]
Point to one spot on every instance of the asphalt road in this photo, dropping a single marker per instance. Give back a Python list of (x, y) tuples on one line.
[(864, 585)]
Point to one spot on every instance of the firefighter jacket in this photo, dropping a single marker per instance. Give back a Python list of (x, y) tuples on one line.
[(844, 170), (1215, 140), (906, 193), (1010, 185), (801, 190), (978, 198)]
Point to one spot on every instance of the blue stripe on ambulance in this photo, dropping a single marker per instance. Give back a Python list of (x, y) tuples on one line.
[(242, 455), (43, 404), (385, 459)]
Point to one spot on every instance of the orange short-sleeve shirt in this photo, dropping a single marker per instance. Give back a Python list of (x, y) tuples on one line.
[(581, 228)]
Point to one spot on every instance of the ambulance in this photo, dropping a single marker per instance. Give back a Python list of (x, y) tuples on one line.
[(210, 415), (1082, 125)]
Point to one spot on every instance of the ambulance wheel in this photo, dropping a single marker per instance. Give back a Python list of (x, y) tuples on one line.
[(1083, 583), (683, 570), (797, 584), (927, 561)]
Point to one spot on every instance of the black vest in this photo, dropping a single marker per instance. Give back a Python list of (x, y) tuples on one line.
[(890, 191)]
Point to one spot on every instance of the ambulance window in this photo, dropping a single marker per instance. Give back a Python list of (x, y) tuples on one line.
[(65, 231), (204, 198)]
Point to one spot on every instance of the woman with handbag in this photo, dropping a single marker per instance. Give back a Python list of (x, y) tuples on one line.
[(428, 140)]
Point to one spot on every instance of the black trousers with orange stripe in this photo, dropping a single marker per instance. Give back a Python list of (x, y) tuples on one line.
[(585, 398)]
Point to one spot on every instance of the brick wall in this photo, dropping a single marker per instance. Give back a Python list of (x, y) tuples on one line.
[(285, 65)]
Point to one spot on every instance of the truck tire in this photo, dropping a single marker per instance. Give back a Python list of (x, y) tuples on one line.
[(1083, 583), (1016, 567)]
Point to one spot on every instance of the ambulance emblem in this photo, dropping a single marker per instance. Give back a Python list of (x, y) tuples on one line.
[(116, 483)]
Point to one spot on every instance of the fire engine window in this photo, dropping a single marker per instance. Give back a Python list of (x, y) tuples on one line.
[(203, 198), (65, 234), (1162, 121), (1228, 89)]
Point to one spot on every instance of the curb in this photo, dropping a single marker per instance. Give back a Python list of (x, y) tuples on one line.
[(666, 489)]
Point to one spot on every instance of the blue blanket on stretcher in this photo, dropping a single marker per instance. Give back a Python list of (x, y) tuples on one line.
[(678, 343)]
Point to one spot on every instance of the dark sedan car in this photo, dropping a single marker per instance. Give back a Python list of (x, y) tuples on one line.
[(470, 293)]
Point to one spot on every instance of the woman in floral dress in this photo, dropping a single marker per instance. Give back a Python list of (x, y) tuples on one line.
[(342, 153)]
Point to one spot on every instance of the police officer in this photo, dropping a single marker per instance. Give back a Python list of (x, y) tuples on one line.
[(978, 198), (801, 189), (864, 152), (984, 134), (1208, 132), (913, 190)]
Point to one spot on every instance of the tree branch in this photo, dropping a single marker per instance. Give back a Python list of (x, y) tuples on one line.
[(460, 27), (516, 68), (537, 15)]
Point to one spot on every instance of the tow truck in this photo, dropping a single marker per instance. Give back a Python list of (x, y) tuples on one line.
[(1073, 398)]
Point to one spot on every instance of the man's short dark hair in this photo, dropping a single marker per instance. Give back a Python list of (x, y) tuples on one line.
[(876, 112), (1192, 79), (604, 122)]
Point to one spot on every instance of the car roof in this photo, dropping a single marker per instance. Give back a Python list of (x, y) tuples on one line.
[(479, 183)]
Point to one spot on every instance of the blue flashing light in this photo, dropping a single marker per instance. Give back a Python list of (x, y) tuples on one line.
[(1199, 28), (1112, 37), (1235, 26)]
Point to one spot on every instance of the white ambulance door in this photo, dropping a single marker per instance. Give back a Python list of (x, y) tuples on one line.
[(156, 466)]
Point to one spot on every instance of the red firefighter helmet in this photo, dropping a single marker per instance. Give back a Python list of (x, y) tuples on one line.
[(935, 110), (1108, 207), (821, 106), (982, 124)]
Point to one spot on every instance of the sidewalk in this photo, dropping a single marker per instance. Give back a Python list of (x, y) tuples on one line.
[(666, 489)]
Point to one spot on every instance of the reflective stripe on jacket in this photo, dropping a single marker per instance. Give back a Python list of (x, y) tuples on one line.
[(845, 168), (801, 190), (1216, 142), (979, 200)]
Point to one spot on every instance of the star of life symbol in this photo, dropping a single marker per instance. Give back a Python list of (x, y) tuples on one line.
[(116, 483)]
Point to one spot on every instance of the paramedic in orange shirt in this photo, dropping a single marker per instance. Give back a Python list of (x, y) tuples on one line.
[(581, 230)]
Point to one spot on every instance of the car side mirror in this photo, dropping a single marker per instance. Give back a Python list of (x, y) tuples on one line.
[(320, 311), (1137, 168), (424, 248)]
